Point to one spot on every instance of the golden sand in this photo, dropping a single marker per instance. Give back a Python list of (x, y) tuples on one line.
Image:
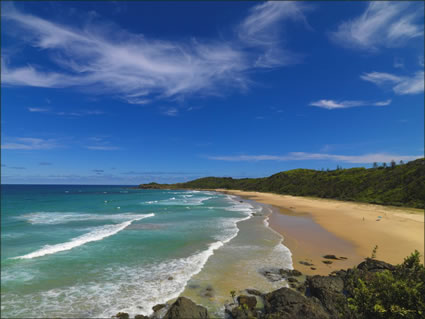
[(314, 227)]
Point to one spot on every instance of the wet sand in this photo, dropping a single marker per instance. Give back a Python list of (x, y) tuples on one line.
[(314, 227), (236, 265)]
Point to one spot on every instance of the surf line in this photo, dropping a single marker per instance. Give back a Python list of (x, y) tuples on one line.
[(97, 234)]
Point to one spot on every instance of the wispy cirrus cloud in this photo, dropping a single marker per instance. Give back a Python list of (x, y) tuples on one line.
[(334, 104), (382, 24), (102, 148), (139, 69), (68, 114), (170, 111), (302, 156), (262, 28), (29, 143), (401, 85), (38, 109), (100, 143)]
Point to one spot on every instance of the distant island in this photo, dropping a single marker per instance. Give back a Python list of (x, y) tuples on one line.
[(400, 184)]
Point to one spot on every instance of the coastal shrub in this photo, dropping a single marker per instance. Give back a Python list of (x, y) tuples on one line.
[(390, 294), (401, 185)]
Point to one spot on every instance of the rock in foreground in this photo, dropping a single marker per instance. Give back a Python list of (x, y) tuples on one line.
[(286, 303), (185, 308)]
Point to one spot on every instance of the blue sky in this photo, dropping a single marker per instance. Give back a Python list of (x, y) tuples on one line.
[(134, 92)]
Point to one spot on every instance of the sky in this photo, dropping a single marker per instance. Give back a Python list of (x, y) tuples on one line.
[(133, 92)]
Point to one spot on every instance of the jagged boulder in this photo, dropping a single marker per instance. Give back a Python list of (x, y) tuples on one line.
[(249, 301), (242, 313), (141, 317), (184, 308), (122, 315), (158, 307), (329, 290), (286, 303)]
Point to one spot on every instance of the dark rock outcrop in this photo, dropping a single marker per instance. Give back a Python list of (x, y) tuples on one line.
[(122, 315), (305, 263), (286, 303), (331, 257), (329, 290), (158, 307), (141, 317), (289, 272), (184, 308), (374, 265), (272, 274), (249, 301)]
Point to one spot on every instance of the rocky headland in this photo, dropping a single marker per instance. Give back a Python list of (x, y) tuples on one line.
[(314, 297)]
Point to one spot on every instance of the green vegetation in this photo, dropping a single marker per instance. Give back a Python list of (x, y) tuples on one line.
[(233, 294), (390, 294), (398, 185)]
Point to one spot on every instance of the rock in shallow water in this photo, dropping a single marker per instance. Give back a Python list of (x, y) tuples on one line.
[(331, 257), (158, 307), (306, 263), (290, 272)]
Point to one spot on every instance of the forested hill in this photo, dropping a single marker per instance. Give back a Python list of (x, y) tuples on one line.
[(399, 185)]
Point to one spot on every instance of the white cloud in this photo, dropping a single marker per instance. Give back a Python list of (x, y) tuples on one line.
[(71, 114), (262, 28), (102, 148), (171, 111), (37, 109), (332, 104), (383, 103), (301, 156), (400, 84), (30, 143), (382, 24), (138, 69)]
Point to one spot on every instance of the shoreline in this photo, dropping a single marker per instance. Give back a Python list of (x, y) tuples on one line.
[(238, 264), (315, 227)]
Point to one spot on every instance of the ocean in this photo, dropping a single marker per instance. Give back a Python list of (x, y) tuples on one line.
[(93, 251)]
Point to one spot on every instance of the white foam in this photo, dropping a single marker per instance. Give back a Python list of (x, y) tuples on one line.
[(185, 201), (131, 289), (150, 202), (52, 218), (98, 233)]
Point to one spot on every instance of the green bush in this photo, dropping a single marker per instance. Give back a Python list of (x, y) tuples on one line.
[(401, 185), (390, 294)]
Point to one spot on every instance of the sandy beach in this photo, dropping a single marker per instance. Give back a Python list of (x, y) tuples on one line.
[(315, 227)]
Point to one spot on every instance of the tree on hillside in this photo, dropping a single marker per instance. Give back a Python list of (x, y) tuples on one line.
[(375, 165), (393, 164)]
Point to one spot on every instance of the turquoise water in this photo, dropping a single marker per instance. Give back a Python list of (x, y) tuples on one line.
[(93, 251)]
